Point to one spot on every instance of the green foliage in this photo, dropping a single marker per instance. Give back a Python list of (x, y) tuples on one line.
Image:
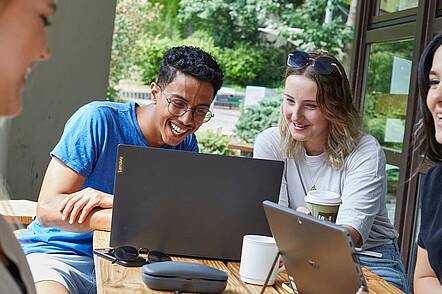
[(243, 65), (132, 18), (233, 21), (228, 21), (166, 24), (228, 29), (271, 74), (148, 56), (247, 64), (380, 70), (376, 127), (393, 174), (214, 143), (317, 35), (203, 40), (255, 119), (149, 51)]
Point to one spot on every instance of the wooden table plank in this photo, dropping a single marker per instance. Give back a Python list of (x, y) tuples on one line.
[(18, 211), (234, 269), (116, 279), (113, 278), (377, 285)]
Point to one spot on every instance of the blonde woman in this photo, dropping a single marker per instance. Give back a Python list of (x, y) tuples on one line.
[(320, 141), (23, 42)]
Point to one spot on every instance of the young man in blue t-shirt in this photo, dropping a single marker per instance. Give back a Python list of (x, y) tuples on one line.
[(76, 194)]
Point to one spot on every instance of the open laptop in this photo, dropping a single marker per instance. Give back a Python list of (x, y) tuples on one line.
[(318, 255), (190, 204)]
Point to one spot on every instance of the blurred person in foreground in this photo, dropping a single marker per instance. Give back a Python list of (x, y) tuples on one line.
[(428, 271), (23, 42)]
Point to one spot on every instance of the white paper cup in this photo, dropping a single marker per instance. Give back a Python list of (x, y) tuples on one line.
[(323, 204), (258, 254)]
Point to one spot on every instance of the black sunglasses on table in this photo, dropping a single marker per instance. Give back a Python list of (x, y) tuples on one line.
[(130, 254), (323, 65)]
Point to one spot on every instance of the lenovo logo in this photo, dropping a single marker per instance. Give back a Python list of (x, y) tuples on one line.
[(120, 164)]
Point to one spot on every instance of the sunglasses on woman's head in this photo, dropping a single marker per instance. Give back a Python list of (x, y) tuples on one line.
[(323, 65), (131, 254)]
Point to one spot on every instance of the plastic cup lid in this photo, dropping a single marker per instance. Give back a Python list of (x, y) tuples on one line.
[(323, 198)]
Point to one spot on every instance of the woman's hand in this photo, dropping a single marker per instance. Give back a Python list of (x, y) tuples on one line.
[(303, 210), (78, 205)]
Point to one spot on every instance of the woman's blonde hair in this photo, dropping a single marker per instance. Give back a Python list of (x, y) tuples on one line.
[(335, 101)]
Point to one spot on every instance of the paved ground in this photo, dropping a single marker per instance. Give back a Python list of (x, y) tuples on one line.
[(223, 121)]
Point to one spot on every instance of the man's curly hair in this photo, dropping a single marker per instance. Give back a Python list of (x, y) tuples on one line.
[(191, 61)]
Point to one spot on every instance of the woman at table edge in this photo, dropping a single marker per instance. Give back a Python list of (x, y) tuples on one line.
[(428, 271)]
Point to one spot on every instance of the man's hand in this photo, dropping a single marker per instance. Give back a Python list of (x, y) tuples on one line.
[(78, 205)]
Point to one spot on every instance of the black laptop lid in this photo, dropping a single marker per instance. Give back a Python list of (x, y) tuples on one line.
[(190, 204), (317, 254)]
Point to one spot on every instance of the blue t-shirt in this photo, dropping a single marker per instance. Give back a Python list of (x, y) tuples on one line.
[(89, 146)]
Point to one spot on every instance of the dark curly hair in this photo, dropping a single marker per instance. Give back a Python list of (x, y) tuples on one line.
[(425, 127), (191, 61)]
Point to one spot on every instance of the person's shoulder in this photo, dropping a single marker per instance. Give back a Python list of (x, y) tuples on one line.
[(368, 147), (367, 152), (107, 106), (269, 135), (435, 173), (267, 144), (103, 109), (368, 142), (430, 194)]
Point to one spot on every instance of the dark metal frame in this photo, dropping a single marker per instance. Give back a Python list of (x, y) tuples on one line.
[(418, 23)]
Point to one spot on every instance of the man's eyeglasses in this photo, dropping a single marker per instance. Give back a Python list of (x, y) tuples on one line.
[(179, 107), (323, 65), (130, 254)]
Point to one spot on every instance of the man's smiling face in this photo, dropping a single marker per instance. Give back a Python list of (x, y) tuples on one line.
[(172, 129)]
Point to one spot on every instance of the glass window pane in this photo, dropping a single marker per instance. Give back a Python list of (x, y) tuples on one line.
[(390, 6), (388, 78)]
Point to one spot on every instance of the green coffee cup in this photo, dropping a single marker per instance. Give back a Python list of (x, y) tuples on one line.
[(323, 204)]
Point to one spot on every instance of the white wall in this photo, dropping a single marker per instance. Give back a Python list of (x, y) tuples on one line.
[(80, 40)]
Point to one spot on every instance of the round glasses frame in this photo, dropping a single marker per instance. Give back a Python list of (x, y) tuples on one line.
[(179, 108)]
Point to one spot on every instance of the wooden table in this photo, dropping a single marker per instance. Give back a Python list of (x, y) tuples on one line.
[(18, 211), (113, 278), (244, 149)]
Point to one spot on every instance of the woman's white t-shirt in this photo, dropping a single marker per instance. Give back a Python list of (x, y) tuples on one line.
[(361, 182)]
